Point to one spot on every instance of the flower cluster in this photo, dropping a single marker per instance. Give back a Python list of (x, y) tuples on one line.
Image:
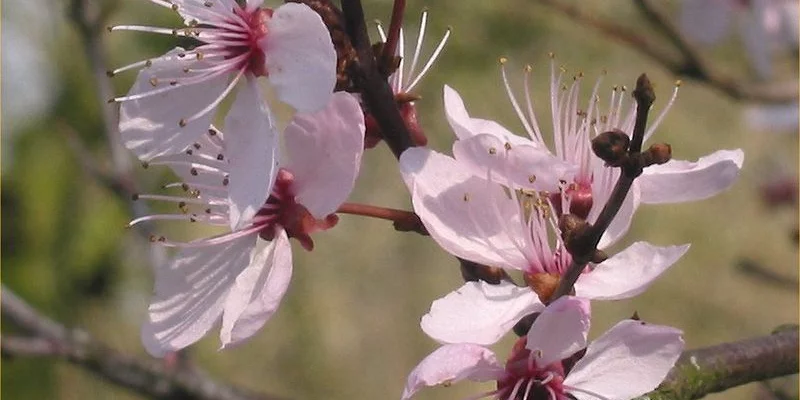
[(239, 180), (501, 201)]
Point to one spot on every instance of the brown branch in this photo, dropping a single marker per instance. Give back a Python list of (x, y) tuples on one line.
[(375, 91), (716, 368), (151, 378), (583, 247), (685, 61)]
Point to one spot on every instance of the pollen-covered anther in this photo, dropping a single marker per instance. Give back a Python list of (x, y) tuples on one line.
[(492, 151), (507, 146), (612, 147), (532, 178), (466, 197)]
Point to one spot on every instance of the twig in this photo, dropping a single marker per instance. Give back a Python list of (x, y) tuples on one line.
[(151, 378), (584, 246), (375, 91), (755, 270), (404, 221), (686, 62), (716, 368)]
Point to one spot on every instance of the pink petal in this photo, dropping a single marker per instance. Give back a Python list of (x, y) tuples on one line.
[(300, 58), (452, 363), (629, 272), (466, 127), (324, 151), (252, 147), (521, 166), (629, 360), (468, 216), (678, 180), (479, 313), (560, 330), (258, 290), (190, 294), (150, 126)]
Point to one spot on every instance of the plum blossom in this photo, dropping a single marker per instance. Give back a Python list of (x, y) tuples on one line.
[(405, 78), (241, 276), (590, 182), (554, 362), (175, 96), (477, 218)]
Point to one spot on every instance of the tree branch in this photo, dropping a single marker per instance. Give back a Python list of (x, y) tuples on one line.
[(375, 91), (150, 378), (716, 368), (686, 62)]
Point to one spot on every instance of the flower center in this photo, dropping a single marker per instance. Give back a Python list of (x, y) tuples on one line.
[(257, 21), (282, 211), (525, 379), (579, 198)]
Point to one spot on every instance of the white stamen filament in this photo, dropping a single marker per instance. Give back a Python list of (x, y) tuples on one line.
[(431, 60), (219, 98)]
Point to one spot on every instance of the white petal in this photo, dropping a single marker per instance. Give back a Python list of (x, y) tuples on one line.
[(300, 57), (324, 151), (678, 180), (190, 294), (521, 166), (252, 147), (258, 290), (629, 272), (479, 313), (466, 127), (150, 126), (452, 363), (629, 360), (468, 216), (560, 330)]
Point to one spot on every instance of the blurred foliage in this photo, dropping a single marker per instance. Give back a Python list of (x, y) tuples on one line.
[(349, 326)]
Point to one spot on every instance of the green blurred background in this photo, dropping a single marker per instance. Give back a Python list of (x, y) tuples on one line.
[(348, 328)]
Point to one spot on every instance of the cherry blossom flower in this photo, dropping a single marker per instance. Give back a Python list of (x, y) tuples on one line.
[(553, 361), (175, 96), (591, 181), (477, 218), (405, 79), (241, 276)]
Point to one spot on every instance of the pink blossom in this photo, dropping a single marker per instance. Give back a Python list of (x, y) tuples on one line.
[(553, 361), (479, 219), (241, 276), (590, 182), (175, 96)]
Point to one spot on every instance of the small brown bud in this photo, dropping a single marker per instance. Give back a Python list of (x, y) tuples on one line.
[(658, 153), (612, 147), (474, 272), (522, 326)]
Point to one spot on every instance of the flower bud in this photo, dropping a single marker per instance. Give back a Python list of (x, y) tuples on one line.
[(522, 326), (612, 147), (474, 272), (658, 153)]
